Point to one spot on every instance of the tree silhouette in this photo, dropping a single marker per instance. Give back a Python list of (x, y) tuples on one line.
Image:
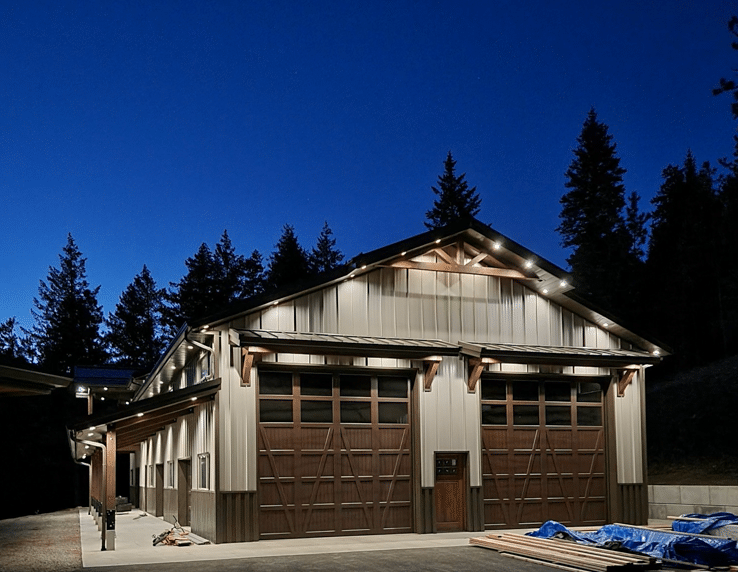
[(67, 316), (455, 199), (288, 264), (682, 265), (136, 334), (324, 255), (605, 246)]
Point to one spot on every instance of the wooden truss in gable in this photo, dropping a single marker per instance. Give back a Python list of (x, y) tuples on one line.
[(463, 258)]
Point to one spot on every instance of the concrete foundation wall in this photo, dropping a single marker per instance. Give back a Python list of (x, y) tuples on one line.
[(674, 500)]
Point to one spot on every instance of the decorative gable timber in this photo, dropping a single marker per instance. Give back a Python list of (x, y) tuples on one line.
[(462, 258)]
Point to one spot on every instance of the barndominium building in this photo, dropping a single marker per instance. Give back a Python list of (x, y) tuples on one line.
[(452, 381)]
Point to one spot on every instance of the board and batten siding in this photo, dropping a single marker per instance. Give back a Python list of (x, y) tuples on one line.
[(423, 304), (629, 411), (449, 421)]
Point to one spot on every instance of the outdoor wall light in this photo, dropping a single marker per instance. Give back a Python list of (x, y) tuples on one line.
[(139, 414), (496, 245), (563, 284)]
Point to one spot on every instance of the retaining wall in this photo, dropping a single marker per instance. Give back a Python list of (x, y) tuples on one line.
[(674, 500)]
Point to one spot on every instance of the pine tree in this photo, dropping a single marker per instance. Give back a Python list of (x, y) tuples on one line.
[(592, 221), (11, 350), (324, 255), (136, 334), (67, 315), (254, 279), (288, 264), (214, 280), (682, 265), (455, 199), (194, 296)]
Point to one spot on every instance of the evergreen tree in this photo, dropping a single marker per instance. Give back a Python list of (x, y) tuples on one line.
[(288, 264), (135, 335), (325, 256), (214, 279), (682, 266), (195, 295), (455, 199), (605, 245), (254, 279), (728, 246), (11, 350), (67, 316)]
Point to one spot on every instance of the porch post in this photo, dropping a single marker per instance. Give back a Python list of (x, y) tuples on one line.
[(110, 452)]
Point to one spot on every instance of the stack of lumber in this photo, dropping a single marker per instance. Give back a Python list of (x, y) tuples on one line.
[(564, 554)]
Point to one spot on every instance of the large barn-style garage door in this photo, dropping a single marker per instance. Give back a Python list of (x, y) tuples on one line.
[(543, 452), (334, 454)]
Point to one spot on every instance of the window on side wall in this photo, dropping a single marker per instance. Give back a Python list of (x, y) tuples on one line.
[(170, 473), (203, 473)]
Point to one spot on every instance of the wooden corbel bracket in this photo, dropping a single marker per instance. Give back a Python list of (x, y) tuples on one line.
[(626, 378), (431, 368), (476, 367), (250, 356)]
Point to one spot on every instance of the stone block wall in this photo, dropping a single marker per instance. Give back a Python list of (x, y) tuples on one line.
[(675, 500)]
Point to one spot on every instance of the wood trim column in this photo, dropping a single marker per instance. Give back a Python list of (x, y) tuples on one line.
[(110, 453)]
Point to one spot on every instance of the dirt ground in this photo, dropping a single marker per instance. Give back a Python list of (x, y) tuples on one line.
[(709, 471), (41, 543)]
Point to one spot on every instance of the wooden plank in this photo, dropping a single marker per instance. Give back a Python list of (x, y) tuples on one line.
[(459, 269), (563, 553)]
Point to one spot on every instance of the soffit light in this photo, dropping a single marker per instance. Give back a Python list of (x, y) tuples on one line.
[(496, 245)]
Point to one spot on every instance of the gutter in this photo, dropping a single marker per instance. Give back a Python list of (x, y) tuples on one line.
[(104, 495)]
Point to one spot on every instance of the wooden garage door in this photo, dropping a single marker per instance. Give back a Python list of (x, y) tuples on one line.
[(334, 454), (543, 452)]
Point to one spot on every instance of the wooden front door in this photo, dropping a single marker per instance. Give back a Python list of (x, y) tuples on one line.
[(184, 488), (334, 454), (543, 452), (450, 492), (159, 510)]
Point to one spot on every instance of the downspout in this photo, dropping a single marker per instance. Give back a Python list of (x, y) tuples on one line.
[(104, 494), (73, 440)]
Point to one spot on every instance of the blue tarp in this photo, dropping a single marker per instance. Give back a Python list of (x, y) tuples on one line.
[(710, 522), (663, 545)]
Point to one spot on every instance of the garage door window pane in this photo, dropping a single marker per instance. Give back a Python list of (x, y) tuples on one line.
[(556, 415), (525, 391), (275, 383), (316, 384), (392, 387), (588, 392), (356, 386), (390, 412), (356, 412), (494, 414), (494, 389), (589, 416), (525, 415), (557, 391), (273, 411), (316, 412)]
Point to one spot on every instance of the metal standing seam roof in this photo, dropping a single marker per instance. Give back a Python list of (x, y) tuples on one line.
[(292, 341), (558, 354)]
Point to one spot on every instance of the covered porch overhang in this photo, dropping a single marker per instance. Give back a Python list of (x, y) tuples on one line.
[(19, 382)]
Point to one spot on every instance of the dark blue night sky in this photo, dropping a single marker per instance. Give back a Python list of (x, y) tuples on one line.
[(147, 128)]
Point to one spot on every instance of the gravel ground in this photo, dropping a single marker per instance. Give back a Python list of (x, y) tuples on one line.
[(41, 543)]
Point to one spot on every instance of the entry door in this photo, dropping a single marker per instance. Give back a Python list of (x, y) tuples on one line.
[(184, 486), (159, 490), (450, 492)]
